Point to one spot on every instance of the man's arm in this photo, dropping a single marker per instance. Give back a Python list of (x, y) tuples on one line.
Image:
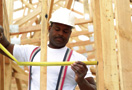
[(87, 84), (80, 70), (5, 42)]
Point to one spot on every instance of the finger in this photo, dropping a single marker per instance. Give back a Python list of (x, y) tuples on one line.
[(81, 63), (1, 28), (73, 68), (79, 68)]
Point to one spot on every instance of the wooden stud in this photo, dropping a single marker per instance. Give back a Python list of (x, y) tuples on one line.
[(51, 9), (44, 31), (111, 77), (19, 84), (2, 72), (1, 14), (6, 61), (8, 74), (6, 21), (8, 69), (10, 4), (124, 38), (86, 7), (2, 61), (98, 45), (68, 4)]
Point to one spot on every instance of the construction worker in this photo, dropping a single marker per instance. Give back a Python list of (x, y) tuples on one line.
[(58, 77)]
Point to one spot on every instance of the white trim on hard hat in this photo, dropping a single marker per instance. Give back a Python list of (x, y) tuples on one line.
[(64, 16)]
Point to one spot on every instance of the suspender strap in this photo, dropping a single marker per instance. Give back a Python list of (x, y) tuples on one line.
[(34, 52), (63, 70)]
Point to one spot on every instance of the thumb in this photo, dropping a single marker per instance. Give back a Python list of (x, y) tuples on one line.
[(1, 29), (1, 33)]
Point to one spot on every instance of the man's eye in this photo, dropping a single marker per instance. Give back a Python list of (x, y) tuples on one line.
[(65, 31), (56, 29)]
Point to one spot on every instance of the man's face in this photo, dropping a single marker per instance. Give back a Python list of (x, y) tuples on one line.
[(59, 35)]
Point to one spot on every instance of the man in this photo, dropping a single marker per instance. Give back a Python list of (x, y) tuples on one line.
[(60, 29)]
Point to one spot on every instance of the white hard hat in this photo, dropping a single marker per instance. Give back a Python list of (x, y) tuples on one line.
[(64, 16)]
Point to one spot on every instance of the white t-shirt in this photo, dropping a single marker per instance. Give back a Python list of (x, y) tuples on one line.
[(22, 53)]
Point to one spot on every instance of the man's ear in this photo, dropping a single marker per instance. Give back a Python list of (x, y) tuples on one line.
[(49, 28)]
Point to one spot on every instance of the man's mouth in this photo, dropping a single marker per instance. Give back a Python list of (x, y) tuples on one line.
[(59, 39)]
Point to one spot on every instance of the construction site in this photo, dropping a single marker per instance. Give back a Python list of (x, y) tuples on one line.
[(102, 33)]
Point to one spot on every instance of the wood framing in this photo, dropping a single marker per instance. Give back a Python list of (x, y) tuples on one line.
[(33, 14), (114, 68)]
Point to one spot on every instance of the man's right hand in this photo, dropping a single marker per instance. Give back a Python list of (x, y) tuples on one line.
[(5, 42), (1, 33)]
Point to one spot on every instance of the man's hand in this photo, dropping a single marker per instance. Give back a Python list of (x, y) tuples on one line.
[(80, 70), (1, 33), (5, 42)]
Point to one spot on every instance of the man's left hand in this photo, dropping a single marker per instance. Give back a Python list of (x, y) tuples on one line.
[(80, 70)]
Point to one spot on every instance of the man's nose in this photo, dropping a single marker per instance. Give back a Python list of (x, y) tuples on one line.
[(60, 32)]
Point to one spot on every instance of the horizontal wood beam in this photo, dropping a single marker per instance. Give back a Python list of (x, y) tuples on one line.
[(77, 12), (79, 43), (31, 41), (85, 51), (38, 39), (27, 29), (77, 33), (82, 21), (91, 56), (18, 9)]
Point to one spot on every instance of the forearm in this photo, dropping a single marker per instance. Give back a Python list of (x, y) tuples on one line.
[(85, 85)]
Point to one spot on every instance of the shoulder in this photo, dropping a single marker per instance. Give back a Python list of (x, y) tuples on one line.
[(22, 47), (23, 52)]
